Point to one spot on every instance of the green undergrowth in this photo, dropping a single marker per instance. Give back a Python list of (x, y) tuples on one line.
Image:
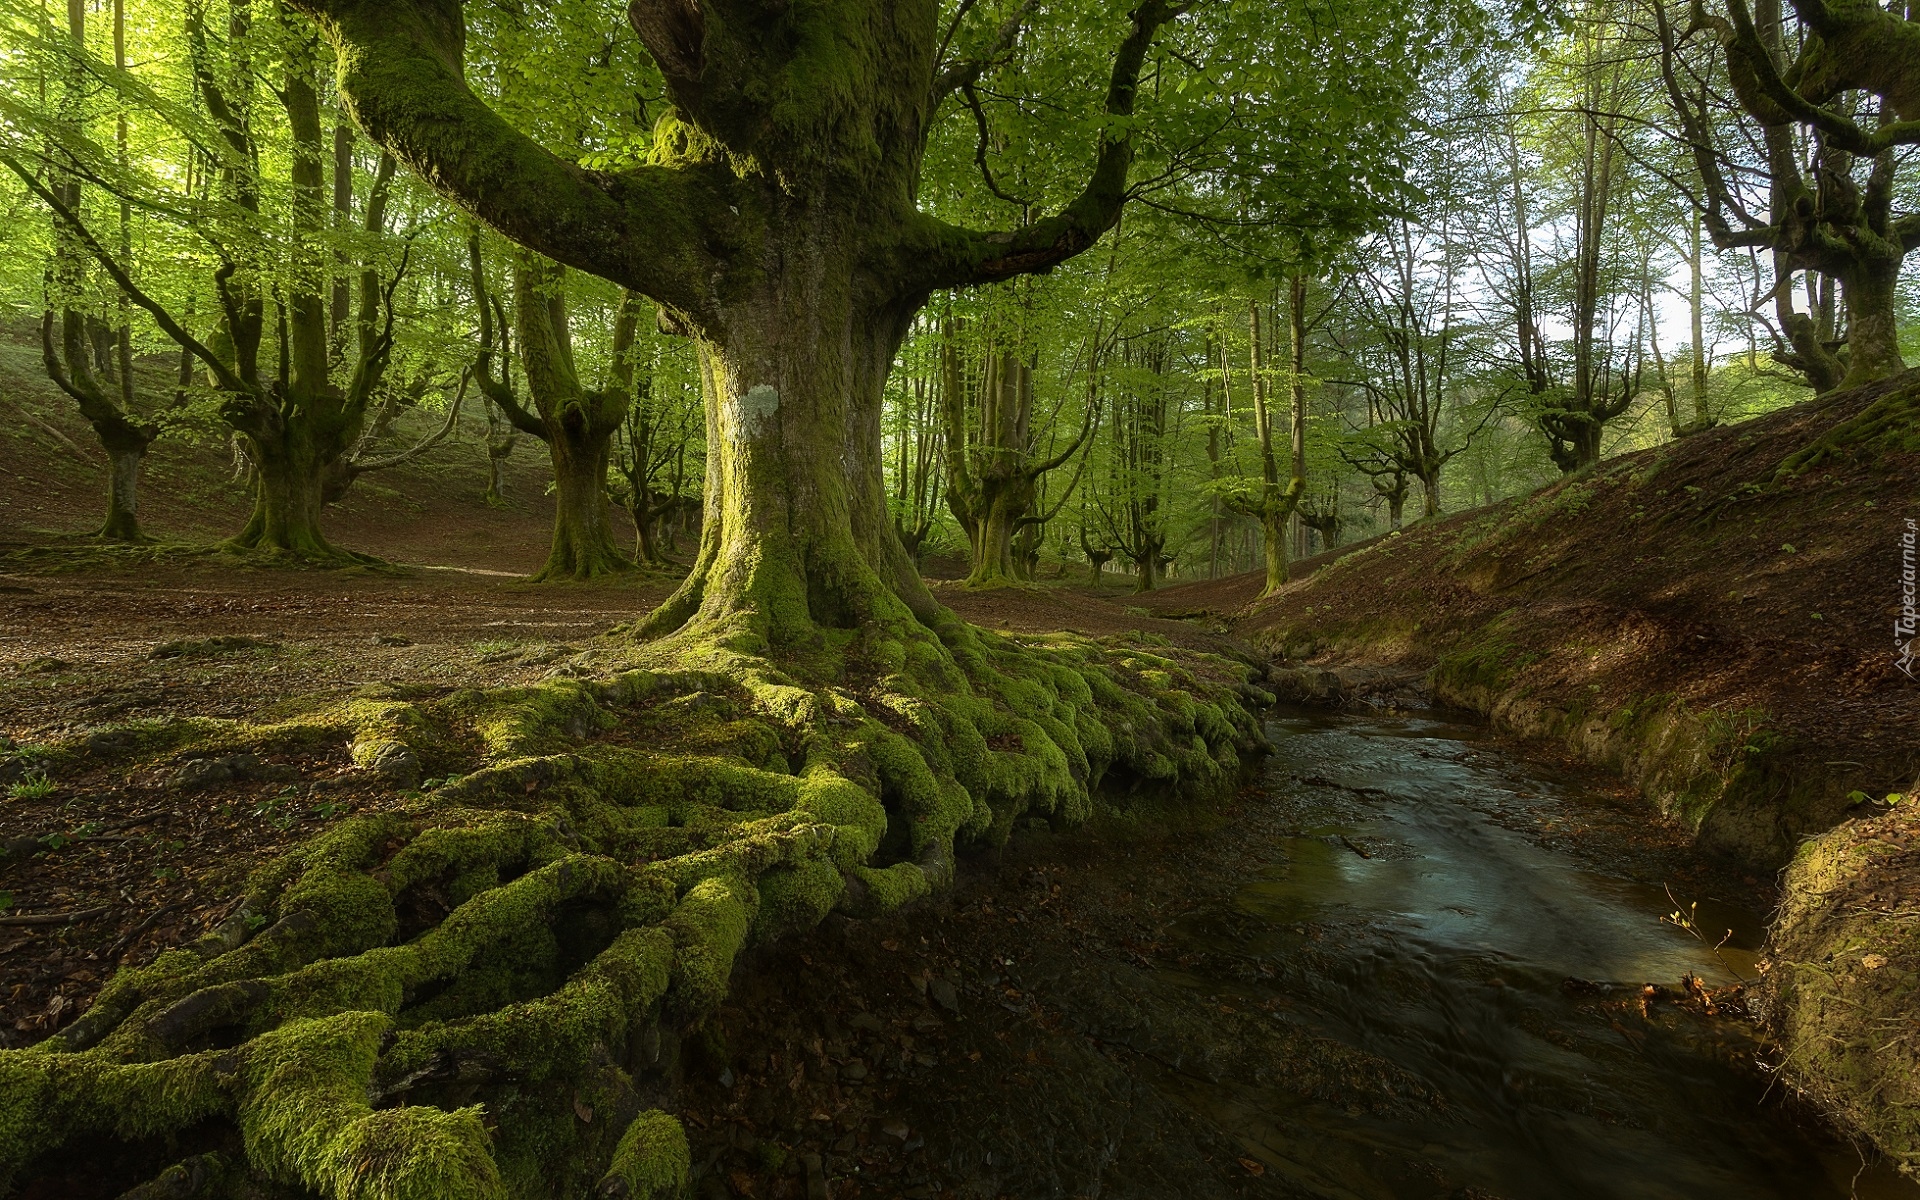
[(474, 993)]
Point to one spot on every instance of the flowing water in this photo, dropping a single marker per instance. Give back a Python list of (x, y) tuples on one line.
[(1402, 965), (1416, 917)]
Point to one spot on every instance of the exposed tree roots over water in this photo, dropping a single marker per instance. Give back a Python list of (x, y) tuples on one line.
[(467, 997)]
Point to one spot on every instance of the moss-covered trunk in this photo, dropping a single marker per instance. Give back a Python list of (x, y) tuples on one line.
[(796, 534), (123, 492), (288, 495), (1873, 333), (1273, 531), (1006, 501), (583, 546)]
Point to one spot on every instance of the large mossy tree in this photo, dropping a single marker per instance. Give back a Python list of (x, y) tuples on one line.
[(1829, 95), (778, 224), (430, 1000)]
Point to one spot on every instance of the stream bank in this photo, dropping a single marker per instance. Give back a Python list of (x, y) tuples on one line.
[(1398, 964), (1715, 629)]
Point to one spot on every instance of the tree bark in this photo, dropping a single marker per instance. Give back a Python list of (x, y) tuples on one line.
[(583, 544), (796, 533), (287, 499), (1873, 333), (123, 494), (576, 422)]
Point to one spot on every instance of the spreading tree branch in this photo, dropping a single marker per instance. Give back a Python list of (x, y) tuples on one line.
[(401, 74), (940, 255)]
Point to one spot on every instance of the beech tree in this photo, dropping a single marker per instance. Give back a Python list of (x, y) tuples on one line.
[(777, 222), (288, 380), (576, 422), (89, 360), (1833, 96), (994, 455), (777, 226)]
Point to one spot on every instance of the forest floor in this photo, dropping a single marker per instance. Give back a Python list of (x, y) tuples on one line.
[(1654, 574), (89, 639)]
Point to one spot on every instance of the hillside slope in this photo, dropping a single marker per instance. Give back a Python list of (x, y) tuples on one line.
[(1723, 638), (53, 481)]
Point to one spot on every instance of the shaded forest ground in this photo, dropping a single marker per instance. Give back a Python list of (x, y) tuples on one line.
[(92, 638), (1661, 587), (1722, 639)]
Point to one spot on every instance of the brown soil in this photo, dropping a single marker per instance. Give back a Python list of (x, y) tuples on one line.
[(1072, 609), (1670, 580)]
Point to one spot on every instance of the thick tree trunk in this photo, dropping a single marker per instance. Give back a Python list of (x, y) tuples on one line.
[(123, 492), (796, 534), (126, 443), (1430, 495), (994, 561), (1585, 442), (1873, 334), (288, 496), (583, 545)]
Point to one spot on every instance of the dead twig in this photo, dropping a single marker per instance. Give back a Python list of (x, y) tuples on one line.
[(59, 918)]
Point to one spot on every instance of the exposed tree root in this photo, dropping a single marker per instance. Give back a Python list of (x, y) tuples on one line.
[(1891, 421), (479, 995)]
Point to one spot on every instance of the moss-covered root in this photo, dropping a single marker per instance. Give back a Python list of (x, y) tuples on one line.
[(1892, 421), (466, 997), (651, 1162), (1842, 991)]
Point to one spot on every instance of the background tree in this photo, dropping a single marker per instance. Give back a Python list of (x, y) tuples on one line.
[(576, 422), (1820, 107)]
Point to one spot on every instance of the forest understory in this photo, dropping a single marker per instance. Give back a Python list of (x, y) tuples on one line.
[(143, 844), (275, 836)]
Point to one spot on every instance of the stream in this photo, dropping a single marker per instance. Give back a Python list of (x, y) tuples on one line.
[(1455, 934), (1402, 964), (1412, 967)]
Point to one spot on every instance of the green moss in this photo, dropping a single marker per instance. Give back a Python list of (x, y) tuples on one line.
[(796, 897), (415, 1153), (596, 885), (652, 1159), (889, 888), (708, 930), (1845, 978), (307, 1091)]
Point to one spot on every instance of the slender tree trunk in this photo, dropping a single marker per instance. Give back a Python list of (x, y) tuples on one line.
[(1696, 310), (1273, 517), (1273, 526), (499, 448)]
